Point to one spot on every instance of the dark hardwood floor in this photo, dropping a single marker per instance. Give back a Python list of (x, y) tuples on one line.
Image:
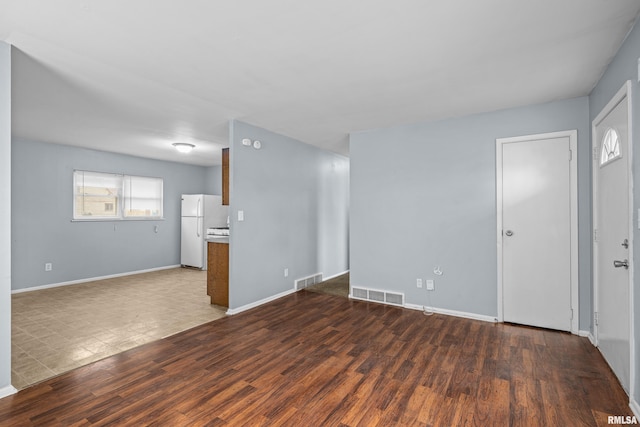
[(312, 359)]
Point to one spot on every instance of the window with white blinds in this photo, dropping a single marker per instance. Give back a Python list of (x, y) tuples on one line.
[(142, 197), (105, 196)]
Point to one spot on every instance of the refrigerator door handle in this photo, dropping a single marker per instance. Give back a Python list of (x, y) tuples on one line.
[(199, 218)]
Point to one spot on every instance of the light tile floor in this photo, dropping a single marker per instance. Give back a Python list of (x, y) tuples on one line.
[(59, 329)]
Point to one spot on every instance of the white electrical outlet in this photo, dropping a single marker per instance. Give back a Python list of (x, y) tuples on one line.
[(48, 266), (286, 272), (419, 283), (430, 285), (240, 215)]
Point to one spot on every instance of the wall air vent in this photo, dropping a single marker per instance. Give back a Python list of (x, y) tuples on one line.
[(384, 297), (304, 282), (392, 298), (359, 293), (376, 296)]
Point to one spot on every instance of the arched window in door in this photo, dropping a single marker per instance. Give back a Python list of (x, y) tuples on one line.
[(610, 147)]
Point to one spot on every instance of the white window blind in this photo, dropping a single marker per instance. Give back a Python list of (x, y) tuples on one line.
[(100, 196), (96, 195), (142, 197)]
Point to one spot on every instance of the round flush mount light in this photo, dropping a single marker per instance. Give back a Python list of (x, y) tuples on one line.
[(184, 147)]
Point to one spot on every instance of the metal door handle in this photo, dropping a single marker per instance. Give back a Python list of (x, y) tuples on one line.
[(618, 264), (509, 233)]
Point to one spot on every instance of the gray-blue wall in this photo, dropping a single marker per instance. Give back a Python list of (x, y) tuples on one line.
[(424, 195), (5, 219), (42, 230), (295, 201), (625, 67)]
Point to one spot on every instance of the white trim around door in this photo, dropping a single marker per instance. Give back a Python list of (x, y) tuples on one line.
[(573, 143), (624, 92)]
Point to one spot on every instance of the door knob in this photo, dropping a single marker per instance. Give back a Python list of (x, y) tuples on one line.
[(509, 233), (618, 264)]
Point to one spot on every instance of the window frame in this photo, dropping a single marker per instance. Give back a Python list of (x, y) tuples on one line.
[(120, 201)]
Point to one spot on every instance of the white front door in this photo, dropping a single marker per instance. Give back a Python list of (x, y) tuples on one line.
[(535, 230), (612, 245)]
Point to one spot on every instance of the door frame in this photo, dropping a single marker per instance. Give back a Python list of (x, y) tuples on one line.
[(573, 177), (625, 91)]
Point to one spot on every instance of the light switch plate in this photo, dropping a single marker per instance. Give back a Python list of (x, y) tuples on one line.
[(240, 215)]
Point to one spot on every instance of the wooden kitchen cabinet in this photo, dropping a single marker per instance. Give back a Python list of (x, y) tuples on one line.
[(218, 273), (225, 176)]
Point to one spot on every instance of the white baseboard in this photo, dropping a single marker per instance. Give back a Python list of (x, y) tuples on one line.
[(249, 306), (7, 391), (589, 335), (455, 313), (92, 279), (635, 408)]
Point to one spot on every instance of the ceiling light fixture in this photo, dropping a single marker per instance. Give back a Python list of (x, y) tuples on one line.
[(184, 147)]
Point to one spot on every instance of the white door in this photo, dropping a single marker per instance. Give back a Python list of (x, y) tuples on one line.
[(612, 238), (535, 233)]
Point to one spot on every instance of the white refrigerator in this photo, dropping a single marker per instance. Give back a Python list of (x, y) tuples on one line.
[(199, 212)]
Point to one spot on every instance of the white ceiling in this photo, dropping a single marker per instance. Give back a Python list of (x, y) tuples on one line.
[(136, 76)]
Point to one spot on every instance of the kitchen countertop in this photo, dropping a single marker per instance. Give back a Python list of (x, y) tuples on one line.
[(217, 239)]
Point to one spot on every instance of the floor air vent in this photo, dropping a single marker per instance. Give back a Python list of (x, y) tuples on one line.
[(308, 281), (374, 295)]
